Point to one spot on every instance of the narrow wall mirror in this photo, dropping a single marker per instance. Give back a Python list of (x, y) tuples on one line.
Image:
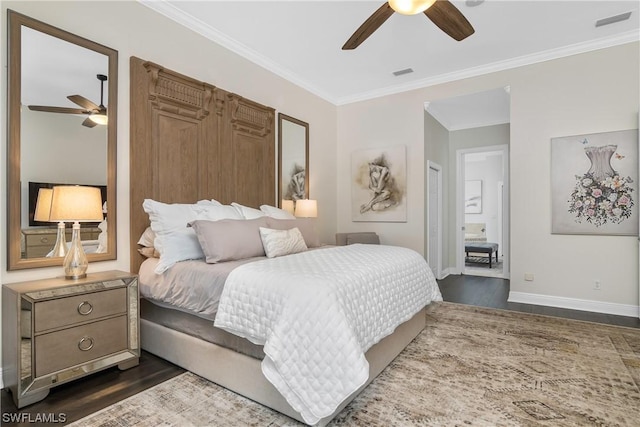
[(293, 159), (62, 103)]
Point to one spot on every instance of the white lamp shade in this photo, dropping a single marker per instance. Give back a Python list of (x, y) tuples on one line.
[(287, 205), (76, 203), (43, 205), (306, 208), (410, 7)]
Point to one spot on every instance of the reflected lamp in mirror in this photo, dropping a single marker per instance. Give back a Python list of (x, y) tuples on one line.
[(288, 205), (75, 203), (43, 213), (306, 208)]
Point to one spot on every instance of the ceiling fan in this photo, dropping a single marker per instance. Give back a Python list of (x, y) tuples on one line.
[(97, 113), (441, 12)]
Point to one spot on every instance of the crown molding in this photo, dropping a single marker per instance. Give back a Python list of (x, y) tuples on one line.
[(168, 10), (548, 55)]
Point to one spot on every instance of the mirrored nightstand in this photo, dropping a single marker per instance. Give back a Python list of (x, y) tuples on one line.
[(58, 330)]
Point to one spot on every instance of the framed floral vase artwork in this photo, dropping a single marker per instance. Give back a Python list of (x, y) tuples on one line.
[(594, 184)]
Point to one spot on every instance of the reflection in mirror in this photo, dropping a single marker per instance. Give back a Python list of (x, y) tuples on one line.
[(62, 130), (293, 159)]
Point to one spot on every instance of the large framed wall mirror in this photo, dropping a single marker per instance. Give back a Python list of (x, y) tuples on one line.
[(293, 160), (62, 103)]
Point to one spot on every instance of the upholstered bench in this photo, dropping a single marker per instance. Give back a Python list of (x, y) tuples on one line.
[(367, 237), (483, 248)]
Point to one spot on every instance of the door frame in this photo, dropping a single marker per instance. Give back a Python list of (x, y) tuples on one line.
[(437, 269), (460, 178)]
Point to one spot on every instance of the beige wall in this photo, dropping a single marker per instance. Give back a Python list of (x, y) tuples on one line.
[(592, 92), (135, 30)]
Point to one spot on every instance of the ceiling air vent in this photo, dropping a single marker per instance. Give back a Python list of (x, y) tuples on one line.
[(613, 19), (401, 72)]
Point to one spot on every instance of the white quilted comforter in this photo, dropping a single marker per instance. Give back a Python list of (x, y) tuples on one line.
[(318, 312)]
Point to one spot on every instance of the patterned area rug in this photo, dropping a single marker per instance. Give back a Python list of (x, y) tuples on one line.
[(471, 366)]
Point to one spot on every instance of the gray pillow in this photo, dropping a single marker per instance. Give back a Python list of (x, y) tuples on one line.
[(230, 239), (307, 227)]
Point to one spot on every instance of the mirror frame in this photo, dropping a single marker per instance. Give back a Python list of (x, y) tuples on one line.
[(282, 117), (16, 22)]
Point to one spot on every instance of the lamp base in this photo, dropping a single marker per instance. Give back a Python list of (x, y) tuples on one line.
[(60, 248), (75, 262)]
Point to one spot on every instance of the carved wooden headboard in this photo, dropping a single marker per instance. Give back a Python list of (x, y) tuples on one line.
[(191, 141)]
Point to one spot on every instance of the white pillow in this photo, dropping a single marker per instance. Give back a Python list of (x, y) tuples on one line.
[(247, 212), (174, 241), (282, 242), (277, 213), (213, 202)]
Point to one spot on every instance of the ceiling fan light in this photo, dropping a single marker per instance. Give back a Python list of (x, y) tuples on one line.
[(410, 7), (100, 119)]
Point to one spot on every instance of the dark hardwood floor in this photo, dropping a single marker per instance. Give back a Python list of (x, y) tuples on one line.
[(77, 399), (493, 293), (80, 398)]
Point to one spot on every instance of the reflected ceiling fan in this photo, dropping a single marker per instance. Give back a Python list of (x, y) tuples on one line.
[(97, 113), (441, 12)]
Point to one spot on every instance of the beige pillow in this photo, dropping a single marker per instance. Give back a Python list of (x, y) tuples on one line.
[(149, 252), (307, 227), (282, 242), (229, 239)]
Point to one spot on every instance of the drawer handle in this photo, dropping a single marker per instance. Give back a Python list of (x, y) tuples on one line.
[(85, 308), (85, 344), (44, 240)]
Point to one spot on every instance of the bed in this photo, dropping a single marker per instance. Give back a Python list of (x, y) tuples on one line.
[(191, 141)]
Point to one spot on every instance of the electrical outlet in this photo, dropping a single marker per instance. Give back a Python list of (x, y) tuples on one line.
[(528, 277), (597, 285)]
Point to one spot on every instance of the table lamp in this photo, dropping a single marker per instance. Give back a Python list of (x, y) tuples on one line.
[(288, 205), (77, 204), (306, 208), (43, 212)]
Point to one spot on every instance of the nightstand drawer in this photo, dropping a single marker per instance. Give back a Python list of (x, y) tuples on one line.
[(41, 240), (70, 310), (73, 346)]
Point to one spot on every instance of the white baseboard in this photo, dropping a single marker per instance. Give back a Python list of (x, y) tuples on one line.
[(575, 304), (444, 273)]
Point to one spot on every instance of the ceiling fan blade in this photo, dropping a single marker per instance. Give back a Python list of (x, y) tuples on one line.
[(449, 19), (89, 123), (369, 26), (58, 109), (83, 102)]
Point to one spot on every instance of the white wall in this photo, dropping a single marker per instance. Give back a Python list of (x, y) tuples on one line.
[(586, 93), (135, 30)]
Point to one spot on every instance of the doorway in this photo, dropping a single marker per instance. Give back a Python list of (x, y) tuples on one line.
[(482, 211)]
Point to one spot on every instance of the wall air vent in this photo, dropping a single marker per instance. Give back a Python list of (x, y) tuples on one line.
[(401, 72), (613, 19)]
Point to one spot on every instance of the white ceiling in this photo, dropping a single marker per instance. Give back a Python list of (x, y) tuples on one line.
[(301, 40), (486, 108)]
